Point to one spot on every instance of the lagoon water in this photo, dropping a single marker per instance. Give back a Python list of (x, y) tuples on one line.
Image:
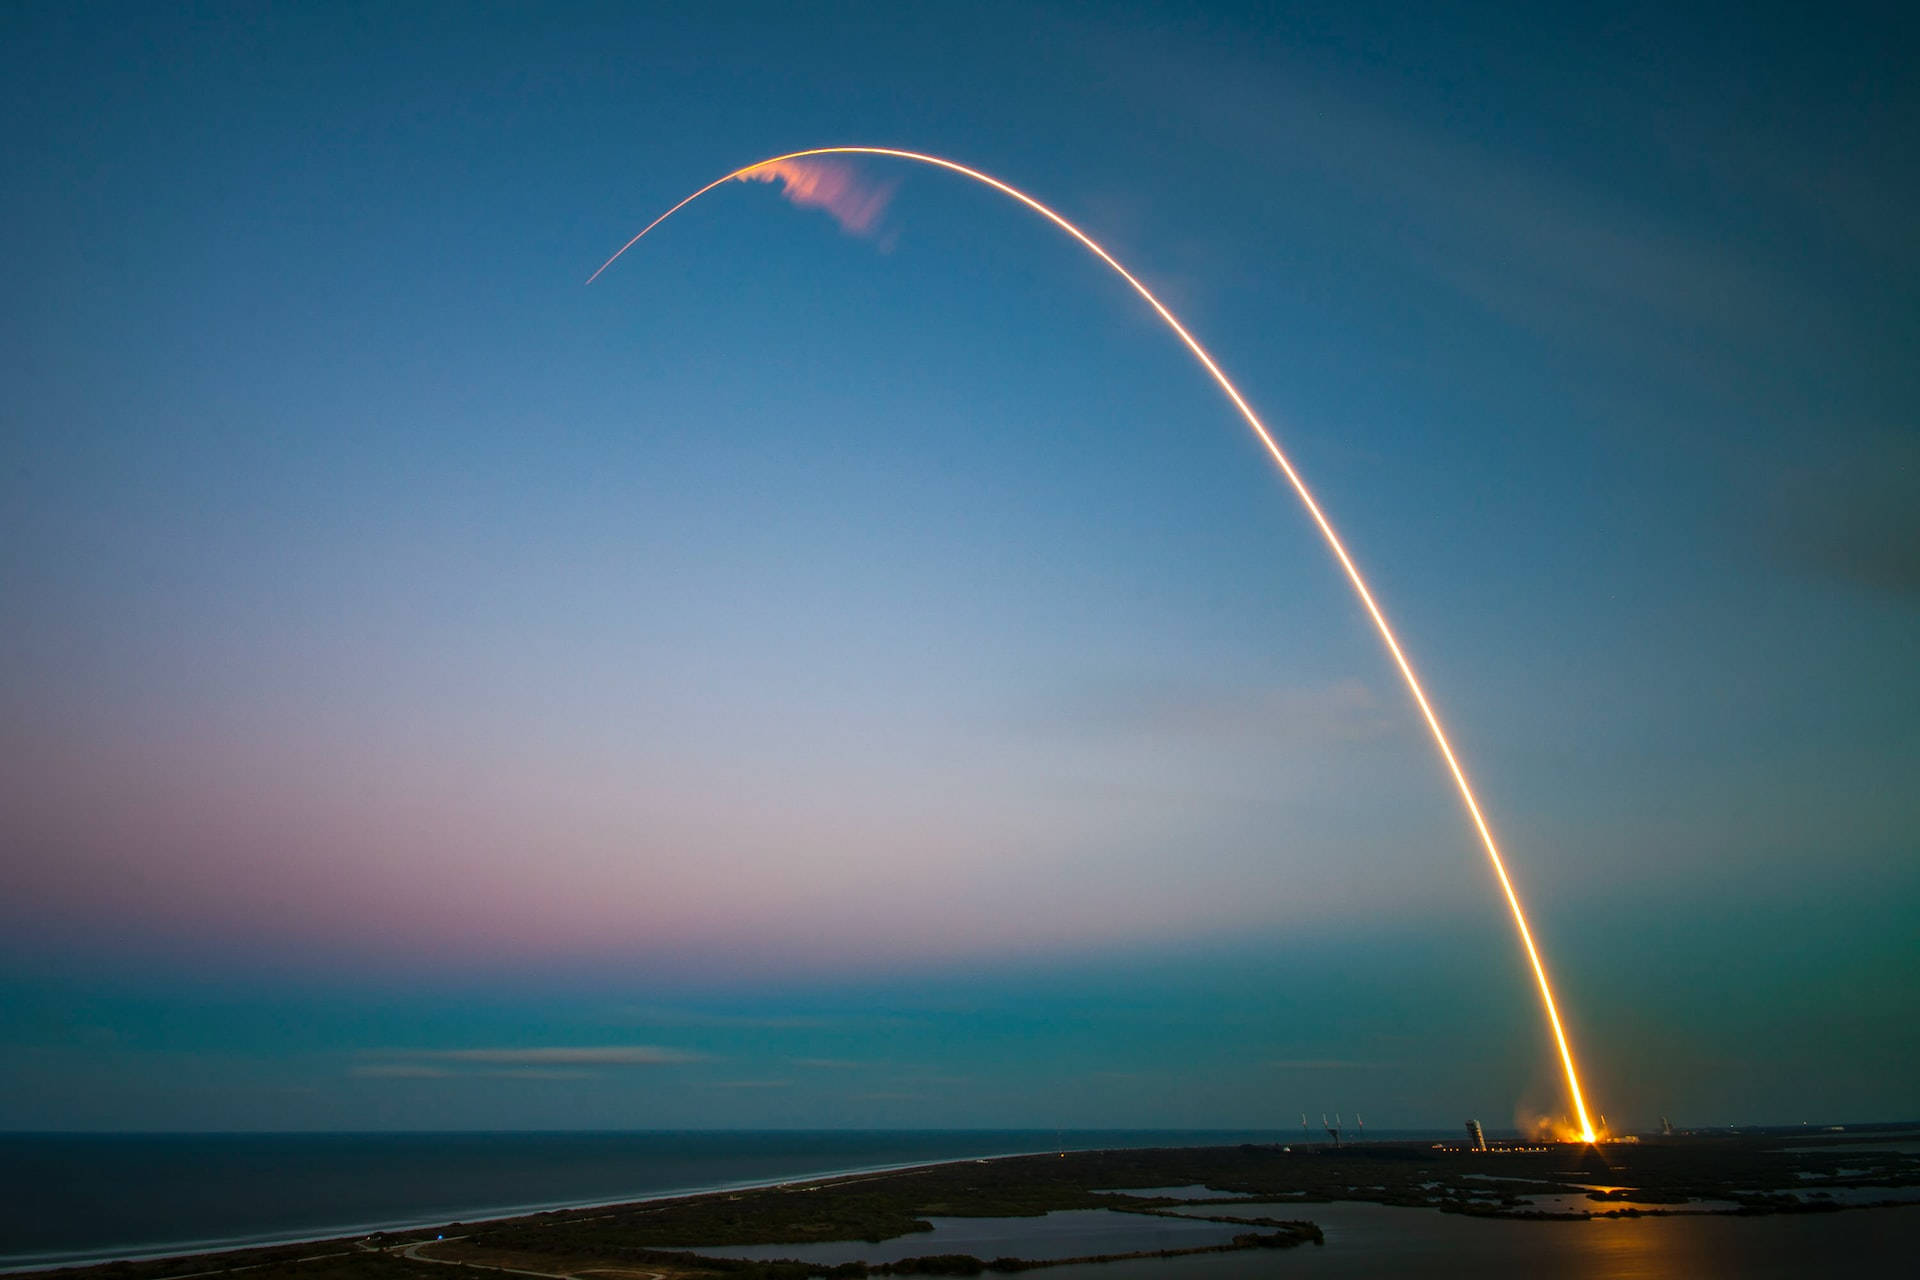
[(68, 1198), (1369, 1240), (1068, 1233)]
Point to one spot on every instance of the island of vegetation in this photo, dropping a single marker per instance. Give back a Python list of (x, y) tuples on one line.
[(686, 1238)]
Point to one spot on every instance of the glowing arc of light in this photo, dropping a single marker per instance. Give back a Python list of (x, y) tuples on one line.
[(1300, 489)]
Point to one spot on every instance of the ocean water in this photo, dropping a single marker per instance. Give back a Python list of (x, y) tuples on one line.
[(78, 1197)]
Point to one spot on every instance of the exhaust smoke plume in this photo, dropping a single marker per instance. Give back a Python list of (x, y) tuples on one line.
[(833, 185)]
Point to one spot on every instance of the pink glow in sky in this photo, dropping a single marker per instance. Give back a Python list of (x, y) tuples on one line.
[(818, 844)]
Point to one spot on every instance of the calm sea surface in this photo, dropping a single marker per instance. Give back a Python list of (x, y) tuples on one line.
[(66, 1198)]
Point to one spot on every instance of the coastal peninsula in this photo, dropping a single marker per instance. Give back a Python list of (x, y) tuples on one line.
[(1180, 1202)]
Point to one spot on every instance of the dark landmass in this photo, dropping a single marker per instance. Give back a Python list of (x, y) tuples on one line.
[(1741, 1173)]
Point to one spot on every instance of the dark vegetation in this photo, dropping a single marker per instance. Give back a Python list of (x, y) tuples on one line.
[(1749, 1174), (334, 1260)]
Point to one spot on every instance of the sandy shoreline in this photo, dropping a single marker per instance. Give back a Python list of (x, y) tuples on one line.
[(351, 1233)]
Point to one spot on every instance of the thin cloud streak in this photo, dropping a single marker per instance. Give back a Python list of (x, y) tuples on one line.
[(1343, 711), (661, 1016), (1320, 1064), (1540, 247), (624, 1055), (397, 1071)]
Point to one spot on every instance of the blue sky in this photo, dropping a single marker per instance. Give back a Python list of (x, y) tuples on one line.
[(886, 650)]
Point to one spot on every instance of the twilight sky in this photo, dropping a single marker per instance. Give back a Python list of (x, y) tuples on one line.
[(854, 670)]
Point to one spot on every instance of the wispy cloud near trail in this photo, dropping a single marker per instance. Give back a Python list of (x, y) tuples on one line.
[(398, 1071), (834, 185), (1320, 1064), (622, 1055), (420, 1061)]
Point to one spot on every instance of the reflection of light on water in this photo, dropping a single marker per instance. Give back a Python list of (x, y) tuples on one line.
[(1369, 1240), (1562, 1202), (1634, 1247)]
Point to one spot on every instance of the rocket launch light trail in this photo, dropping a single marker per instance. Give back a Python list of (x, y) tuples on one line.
[(1306, 497)]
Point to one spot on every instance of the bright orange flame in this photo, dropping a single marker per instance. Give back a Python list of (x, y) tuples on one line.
[(1585, 1131), (1548, 1129)]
